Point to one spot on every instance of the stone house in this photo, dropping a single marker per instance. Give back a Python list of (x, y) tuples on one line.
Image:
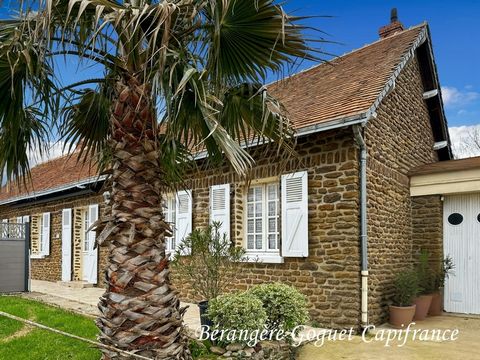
[(337, 222)]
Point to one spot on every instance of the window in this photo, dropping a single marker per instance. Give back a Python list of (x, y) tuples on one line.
[(170, 217), (262, 217), (455, 219)]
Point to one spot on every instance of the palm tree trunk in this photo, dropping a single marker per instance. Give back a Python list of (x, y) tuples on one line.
[(140, 311)]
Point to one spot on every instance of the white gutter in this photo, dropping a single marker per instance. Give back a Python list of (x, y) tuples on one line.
[(79, 184), (357, 131)]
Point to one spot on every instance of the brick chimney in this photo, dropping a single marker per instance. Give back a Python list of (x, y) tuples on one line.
[(394, 27)]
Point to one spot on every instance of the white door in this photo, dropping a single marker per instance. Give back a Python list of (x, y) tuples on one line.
[(90, 255), (67, 245), (461, 220)]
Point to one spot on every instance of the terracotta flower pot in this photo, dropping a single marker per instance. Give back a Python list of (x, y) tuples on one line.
[(401, 316), (436, 307), (423, 304)]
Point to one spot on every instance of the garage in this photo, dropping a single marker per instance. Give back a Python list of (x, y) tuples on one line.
[(457, 182)]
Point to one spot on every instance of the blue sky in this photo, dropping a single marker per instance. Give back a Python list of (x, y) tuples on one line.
[(455, 31)]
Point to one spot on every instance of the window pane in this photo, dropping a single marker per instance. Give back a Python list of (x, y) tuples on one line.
[(258, 226), (250, 195), (272, 225), (259, 242), (258, 194), (271, 208), (250, 242), (258, 209), (250, 228), (250, 211), (272, 192), (272, 242)]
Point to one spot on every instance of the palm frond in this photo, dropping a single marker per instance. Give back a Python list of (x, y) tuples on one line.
[(26, 83), (247, 39)]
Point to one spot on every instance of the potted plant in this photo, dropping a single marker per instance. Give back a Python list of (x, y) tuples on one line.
[(406, 289), (426, 281), (445, 269), (211, 267)]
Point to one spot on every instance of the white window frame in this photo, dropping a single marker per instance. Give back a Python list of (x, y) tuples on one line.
[(265, 254)]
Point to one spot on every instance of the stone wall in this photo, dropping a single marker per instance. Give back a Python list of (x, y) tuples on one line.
[(50, 267), (427, 227), (329, 277), (399, 139)]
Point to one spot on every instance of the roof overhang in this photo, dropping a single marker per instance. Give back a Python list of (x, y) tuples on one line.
[(34, 195), (446, 177)]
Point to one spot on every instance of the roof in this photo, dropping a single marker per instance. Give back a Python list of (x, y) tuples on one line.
[(344, 91), (346, 86), (57, 174), (447, 166)]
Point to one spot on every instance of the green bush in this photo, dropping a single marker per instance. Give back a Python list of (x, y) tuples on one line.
[(406, 288), (284, 305), (241, 311)]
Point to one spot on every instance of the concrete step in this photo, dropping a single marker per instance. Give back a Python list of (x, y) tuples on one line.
[(76, 284)]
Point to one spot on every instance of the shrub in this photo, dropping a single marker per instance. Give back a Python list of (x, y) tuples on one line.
[(406, 288), (239, 311), (284, 305), (213, 264)]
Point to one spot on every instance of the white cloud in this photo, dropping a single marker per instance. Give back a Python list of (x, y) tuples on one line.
[(453, 97), (465, 141), (54, 150)]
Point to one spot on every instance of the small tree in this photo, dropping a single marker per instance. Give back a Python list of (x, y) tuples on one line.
[(213, 264)]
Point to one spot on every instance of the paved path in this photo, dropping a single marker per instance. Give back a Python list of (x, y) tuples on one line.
[(84, 300), (466, 347)]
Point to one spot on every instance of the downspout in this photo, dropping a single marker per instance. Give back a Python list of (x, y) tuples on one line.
[(357, 131)]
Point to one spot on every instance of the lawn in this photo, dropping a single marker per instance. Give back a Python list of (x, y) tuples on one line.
[(18, 341)]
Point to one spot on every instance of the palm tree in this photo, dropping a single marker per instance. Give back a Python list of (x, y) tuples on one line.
[(176, 77)]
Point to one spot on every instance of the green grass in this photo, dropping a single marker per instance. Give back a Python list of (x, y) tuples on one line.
[(42, 344)]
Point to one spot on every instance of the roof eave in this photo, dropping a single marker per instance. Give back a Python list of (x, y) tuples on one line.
[(42, 193)]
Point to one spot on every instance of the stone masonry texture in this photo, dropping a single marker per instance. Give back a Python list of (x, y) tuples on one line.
[(329, 277), (50, 267), (399, 139)]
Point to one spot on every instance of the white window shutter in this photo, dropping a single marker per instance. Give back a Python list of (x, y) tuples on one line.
[(46, 234), (66, 244), (93, 251), (295, 214), (183, 221), (220, 207)]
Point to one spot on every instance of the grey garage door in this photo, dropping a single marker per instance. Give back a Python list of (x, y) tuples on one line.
[(14, 259)]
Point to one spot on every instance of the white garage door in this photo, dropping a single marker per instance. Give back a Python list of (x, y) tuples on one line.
[(461, 220)]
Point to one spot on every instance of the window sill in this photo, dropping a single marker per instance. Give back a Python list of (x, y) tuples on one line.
[(264, 258)]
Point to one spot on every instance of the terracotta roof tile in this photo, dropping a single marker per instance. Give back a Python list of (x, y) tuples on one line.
[(55, 173), (344, 87)]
